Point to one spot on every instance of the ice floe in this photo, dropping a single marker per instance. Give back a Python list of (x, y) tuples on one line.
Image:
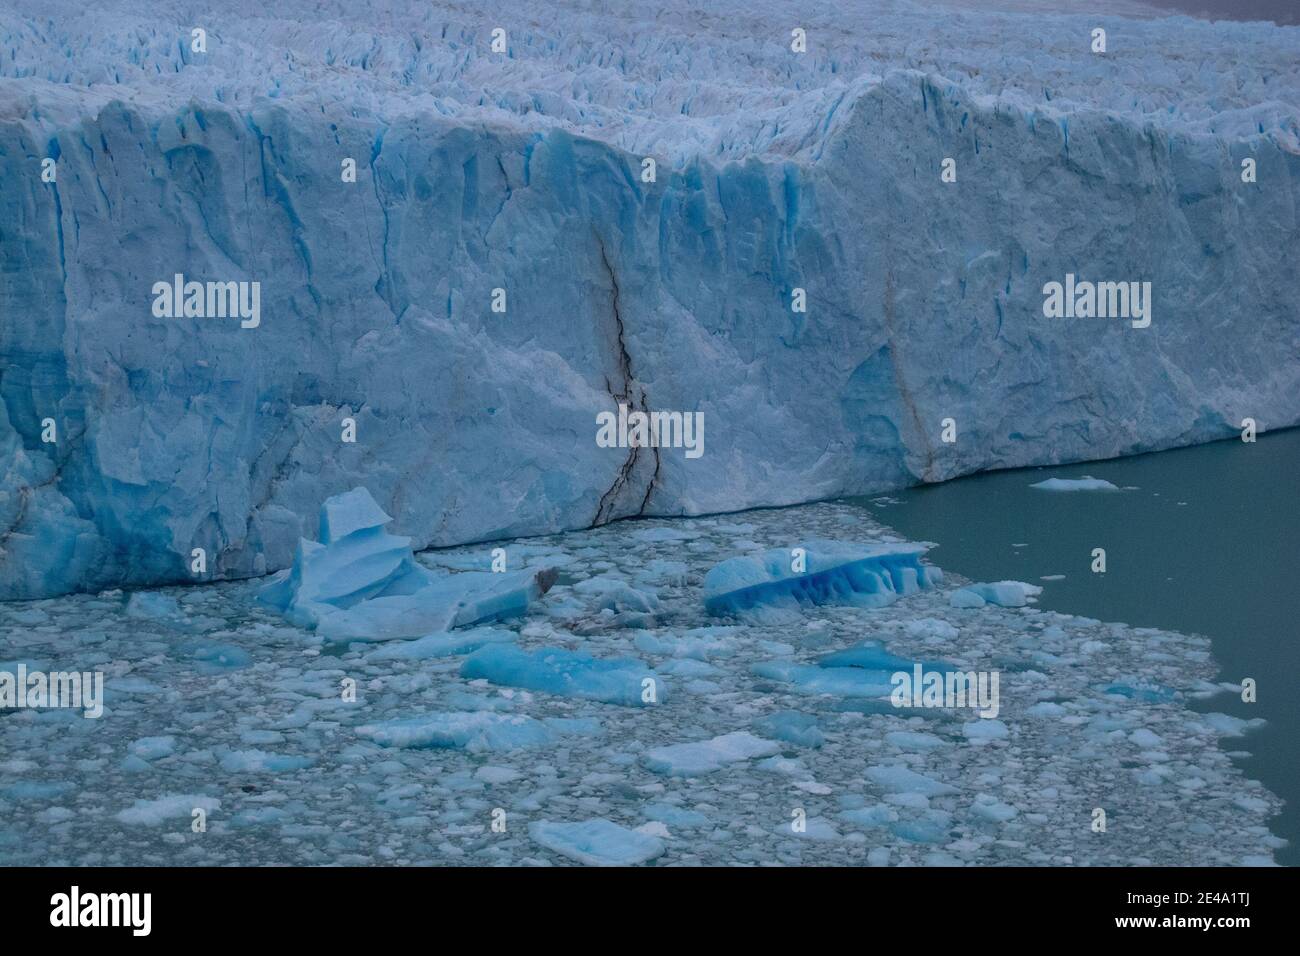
[(1086, 483), (597, 842), (706, 756)]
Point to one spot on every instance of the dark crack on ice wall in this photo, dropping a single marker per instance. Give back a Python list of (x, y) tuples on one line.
[(900, 382), (608, 501)]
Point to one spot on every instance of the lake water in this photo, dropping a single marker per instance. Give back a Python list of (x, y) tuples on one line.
[(1204, 541)]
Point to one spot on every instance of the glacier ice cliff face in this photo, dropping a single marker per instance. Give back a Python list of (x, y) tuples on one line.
[(522, 171)]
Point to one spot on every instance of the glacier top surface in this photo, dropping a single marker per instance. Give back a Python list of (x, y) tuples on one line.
[(661, 78)]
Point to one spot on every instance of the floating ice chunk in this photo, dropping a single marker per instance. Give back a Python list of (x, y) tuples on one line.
[(1228, 726), (929, 829), (1086, 483), (871, 655), (441, 645), (686, 667), (706, 756), (554, 670), (150, 605), (1135, 688), (472, 730), (663, 535), (259, 761), (167, 807), (1146, 738), (218, 658), (34, 790), (896, 779), (494, 775), (655, 829), (813, 786), (575, 726), (879, 815), (152, 748), (862, 575), (699, 643), (625, 598), (597, 842), (259, 816), (814, 828), (992, 809), (1001, 593), (675, 816), (791, 727), (360, 583), (913, 741), (261, 737), (964, 597), (839, 681), (984, 730), (1045, 708)]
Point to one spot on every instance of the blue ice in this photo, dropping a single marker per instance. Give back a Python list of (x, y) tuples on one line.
[(554, 670), (830, 572)]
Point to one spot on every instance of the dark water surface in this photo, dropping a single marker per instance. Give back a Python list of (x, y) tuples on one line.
[(1207, 543)]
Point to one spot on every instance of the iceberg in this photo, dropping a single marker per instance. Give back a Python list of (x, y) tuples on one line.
[(1086, 483), (820, 572), (380, 171), (360, 583)]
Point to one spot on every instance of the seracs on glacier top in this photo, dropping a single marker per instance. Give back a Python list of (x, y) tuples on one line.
[(665, 79)]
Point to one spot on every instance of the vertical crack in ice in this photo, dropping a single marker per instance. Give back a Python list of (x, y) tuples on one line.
[(605, 509), (900, 382)]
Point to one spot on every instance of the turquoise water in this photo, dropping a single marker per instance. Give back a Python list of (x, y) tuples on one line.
[(1206, 543)]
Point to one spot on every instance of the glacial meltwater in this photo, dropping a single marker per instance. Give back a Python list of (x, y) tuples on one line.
[(1199, 540)]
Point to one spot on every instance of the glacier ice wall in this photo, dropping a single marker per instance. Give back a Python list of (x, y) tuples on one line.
[(522, 171)]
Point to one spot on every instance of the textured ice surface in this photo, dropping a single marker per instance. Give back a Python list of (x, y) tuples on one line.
[(418, 762), (521, 171), (360, 583)]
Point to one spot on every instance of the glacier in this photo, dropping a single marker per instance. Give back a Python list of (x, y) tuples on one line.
[(523, 171)]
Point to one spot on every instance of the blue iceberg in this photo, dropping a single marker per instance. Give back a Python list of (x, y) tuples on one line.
[(360, 583), (828, 572)]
